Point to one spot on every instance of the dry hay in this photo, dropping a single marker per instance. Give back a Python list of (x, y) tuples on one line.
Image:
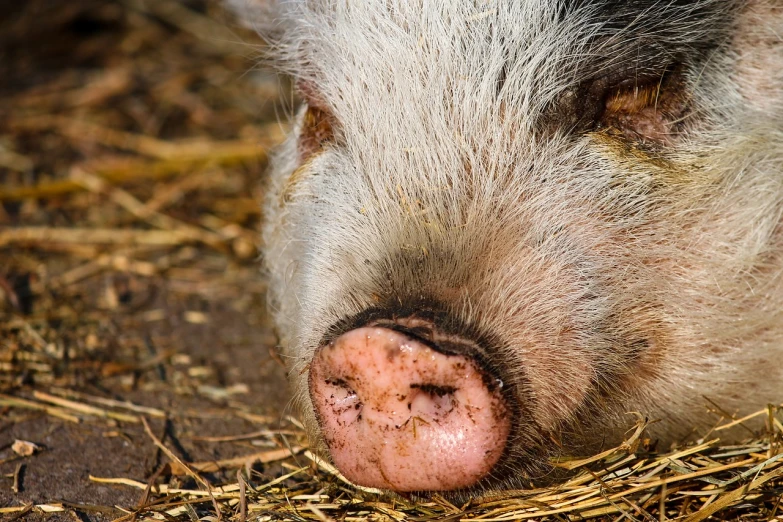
[(131, 169), (689, 483)]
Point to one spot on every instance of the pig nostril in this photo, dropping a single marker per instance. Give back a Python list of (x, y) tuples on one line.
[(343, 401), (431, 401), (434, 389), (341, 391)]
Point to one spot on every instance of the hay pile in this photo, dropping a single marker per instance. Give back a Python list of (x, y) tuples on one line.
[(132, 142), (691, 483)]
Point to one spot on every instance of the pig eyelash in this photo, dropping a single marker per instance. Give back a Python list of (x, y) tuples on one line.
[(649, 110)]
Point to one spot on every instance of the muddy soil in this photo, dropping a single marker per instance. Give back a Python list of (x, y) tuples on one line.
[(131, 117)]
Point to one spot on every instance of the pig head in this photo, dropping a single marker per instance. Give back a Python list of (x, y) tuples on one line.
[(500, 226)]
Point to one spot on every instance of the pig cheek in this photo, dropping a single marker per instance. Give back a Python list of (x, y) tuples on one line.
[(547, 341), (559, 384), (760, 56)]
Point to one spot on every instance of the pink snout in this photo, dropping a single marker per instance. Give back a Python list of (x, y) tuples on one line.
[(397, 414)]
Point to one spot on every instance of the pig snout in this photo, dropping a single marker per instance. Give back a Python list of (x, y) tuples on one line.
[(398, 414)]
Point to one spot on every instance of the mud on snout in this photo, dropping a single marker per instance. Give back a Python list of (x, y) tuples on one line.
[(404, 406)]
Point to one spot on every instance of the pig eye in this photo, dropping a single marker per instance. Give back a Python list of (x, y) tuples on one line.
[(650, 110)]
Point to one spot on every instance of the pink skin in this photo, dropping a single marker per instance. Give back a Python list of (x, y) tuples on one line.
[(399, 415)]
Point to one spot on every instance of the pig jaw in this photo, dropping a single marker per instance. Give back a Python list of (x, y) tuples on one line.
[(397, 414)]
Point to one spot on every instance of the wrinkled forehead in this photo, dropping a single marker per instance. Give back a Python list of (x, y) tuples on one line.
[(571, 32), (522, 55), (530, 51)]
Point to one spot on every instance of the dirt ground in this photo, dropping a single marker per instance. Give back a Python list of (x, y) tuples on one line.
[(162, 99)]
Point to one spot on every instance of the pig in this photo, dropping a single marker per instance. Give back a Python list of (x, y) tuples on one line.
[(499, 226)]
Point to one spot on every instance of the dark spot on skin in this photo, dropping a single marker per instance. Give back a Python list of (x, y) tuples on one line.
[(392, 353), (338, 382), (638, 348)]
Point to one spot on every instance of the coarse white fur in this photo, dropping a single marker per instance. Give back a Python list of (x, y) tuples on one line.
[(615, 277)]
